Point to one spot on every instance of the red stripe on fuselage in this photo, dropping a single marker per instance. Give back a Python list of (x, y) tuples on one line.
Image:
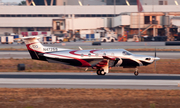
[(29, 45), (92, 51), (84, 63), (73, 52)]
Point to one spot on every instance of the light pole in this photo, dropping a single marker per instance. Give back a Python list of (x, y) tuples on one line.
[(114, 8), (153, 5), (140, 9)]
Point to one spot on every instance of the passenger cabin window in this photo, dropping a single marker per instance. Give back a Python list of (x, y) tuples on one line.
[(104, 54), (97, 55), (126, 53), (89, 55), (82, 55)]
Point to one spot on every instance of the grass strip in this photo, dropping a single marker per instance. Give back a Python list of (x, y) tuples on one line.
[(163, 66), (88, 98)]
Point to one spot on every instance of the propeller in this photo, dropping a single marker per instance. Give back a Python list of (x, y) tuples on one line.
[(155, 53), (155, 59)]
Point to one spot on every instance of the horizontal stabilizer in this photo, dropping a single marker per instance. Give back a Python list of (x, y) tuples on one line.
[(30, 37)]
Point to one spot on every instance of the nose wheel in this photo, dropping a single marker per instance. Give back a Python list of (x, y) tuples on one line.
[(136, 72), (101, 72)]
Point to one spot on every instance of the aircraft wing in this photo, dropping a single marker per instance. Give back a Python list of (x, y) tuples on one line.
[(105, 62), (100, 64), (109, 58)]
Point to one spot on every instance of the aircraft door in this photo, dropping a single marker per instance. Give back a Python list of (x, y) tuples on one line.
[(57, 25)]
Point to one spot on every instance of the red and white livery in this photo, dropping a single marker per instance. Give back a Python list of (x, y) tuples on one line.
[(101, 60)]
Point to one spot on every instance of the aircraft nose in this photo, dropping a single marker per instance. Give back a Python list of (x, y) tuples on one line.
[(156, 58)]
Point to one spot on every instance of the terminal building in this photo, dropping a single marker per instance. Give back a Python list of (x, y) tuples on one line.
[(63, 17), (103, 2)]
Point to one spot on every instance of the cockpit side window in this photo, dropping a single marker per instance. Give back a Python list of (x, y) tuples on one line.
[(126, 53), (148, 59)]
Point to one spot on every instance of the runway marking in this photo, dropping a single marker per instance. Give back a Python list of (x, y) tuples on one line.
[(90, 82)]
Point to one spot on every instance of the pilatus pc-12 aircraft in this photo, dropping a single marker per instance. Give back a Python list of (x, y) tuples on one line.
[(101, 60)]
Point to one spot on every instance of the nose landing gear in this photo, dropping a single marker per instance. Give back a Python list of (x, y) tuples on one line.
[(136, 72), (101, 72)]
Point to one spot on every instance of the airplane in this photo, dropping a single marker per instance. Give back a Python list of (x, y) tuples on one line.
[(101, 60)]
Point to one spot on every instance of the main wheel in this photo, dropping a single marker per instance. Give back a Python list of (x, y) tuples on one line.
[(98, 72), (136, 73), (101, 72)]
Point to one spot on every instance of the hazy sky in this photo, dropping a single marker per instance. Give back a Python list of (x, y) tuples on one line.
[(18, 1)]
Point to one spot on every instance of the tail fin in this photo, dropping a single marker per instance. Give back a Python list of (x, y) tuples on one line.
[(36, 49), (139, 5)]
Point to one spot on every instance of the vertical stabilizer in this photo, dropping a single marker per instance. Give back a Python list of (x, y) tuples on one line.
[(34, 47)]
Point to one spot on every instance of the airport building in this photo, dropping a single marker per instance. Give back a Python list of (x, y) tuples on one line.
[(103, 2), (155, 20)]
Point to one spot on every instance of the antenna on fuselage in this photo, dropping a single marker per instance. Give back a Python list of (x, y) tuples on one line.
[(80, 48)]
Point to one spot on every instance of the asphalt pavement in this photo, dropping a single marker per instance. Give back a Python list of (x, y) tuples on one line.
[(89, 80)]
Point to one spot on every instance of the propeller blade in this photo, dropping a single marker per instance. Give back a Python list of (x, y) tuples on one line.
[(155, 65), (155, 53), (155, 60)]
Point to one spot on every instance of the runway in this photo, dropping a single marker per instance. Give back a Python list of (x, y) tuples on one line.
[(26, 55), (89, 80)]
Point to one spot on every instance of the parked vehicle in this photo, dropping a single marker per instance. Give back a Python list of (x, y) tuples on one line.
[(7, 39), (109, 39), (49, 39)]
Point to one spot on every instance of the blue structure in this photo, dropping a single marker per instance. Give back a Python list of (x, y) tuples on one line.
[(41, 2)]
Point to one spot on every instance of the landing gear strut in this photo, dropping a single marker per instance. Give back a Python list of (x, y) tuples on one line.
[(101, 72), (136, 72)]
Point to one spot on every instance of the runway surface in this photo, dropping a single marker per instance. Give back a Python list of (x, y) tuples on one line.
[(25, 54), (89, 80)]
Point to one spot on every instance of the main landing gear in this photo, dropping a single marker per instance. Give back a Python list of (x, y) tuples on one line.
[(101, 72), (136, 72)]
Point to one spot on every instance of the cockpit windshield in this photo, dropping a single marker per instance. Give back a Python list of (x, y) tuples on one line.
[(126, 53)]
